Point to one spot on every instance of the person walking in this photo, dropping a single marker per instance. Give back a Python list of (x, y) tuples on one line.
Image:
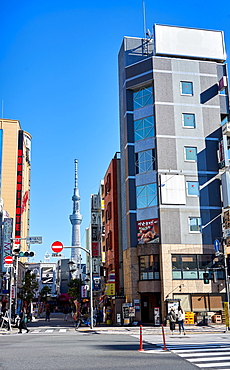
[(181, 317), (65, 311), (172, 320), (22, 322), (47, 313)]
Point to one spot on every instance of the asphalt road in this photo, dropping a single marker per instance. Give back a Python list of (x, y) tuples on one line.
[(78, 350)]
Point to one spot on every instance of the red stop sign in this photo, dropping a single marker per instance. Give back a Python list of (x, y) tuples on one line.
[(8, 260), (57, 247)]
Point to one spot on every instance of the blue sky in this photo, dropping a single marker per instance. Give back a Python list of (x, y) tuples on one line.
[(58, 77)]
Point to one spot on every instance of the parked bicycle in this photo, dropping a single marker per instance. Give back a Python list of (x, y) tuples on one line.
[(84, 320)]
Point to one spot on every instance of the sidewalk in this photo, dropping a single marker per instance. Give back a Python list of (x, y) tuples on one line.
[(57, 322)]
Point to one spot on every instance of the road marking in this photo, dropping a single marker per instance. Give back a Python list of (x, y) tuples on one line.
[(62, 330), (49, 331)]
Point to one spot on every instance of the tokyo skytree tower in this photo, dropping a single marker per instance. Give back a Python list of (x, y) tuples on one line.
[(76, 219)]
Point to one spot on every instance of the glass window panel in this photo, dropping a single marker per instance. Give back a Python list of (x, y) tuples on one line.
[(195, 224), (146, 195), (176, 262), (156, 275), (186, 88), (142, 97), (189, 262), (190, 275), (189, 120), (176, 274), (193, 188), (190, 153), (150, 275), (204, 261), (144, 128)]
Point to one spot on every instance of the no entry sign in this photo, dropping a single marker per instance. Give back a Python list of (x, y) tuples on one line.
[(57, 247), (8, 260)]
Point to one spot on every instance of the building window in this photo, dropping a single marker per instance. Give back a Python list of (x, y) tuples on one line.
[(145, 161), (188, 120), (190, 154), (149, 267), (191, 266), (144, 128), (186, 88), (193, 188), (108, 183), (146, 195), (194, 224), (142, 97)]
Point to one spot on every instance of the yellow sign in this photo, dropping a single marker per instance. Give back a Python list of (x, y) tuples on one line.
[(110, 289), (226, 311)]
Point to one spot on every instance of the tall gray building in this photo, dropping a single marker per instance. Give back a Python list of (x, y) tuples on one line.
[(173, 103)]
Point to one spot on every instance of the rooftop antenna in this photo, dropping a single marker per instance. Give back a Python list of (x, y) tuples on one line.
[(144, 18), (2, 108)]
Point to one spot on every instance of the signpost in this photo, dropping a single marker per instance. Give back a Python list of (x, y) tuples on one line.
[(217, 245), (57, 247), (8, 261), (34, 240)]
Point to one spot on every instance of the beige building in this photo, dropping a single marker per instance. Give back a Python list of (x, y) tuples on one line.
[(15, 176)]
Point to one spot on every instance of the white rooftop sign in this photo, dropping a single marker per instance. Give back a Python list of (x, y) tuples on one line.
[(189, 42)]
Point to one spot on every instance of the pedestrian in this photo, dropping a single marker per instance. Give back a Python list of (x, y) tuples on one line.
[(180, 318), (22, 322), (47, 313), (172, 320), (65, 311)]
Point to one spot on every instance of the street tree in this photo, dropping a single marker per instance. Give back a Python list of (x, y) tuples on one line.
[(74, 288), (29, 287), (44, 293)]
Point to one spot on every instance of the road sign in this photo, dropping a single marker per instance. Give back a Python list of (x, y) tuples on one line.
[(8, 260), (34, 240), (57, 255), (57, 247), (217, 245)]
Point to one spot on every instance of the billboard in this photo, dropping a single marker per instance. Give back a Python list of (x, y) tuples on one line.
[(147, 231), (19, 186), (47, 275), (189, 42)]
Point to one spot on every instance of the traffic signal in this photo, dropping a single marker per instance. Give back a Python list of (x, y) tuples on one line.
[(206, 277), (26, 254)]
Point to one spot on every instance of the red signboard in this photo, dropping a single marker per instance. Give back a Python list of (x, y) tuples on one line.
[(19, 186), (57, 247), (8, 260), (95, 249)]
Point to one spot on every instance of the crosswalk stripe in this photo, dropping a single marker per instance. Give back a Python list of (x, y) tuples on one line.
[(62, 330), (214, 364), (187, 351), (49, 331), (209, 359), (202, 354)]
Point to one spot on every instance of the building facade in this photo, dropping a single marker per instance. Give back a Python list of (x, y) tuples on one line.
[(171, 112)]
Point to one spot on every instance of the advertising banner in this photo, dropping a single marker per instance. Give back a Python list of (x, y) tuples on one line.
[(7, 235), (147, 231), (47, 275)]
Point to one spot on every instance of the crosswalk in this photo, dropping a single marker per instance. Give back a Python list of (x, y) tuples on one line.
[(46, 331), (212, 356)]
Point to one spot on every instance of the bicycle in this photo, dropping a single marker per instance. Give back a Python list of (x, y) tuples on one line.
[(84, 320)]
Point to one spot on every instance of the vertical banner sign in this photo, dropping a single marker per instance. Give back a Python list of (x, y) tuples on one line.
[(19, 186), (226, 311), (7, 235)]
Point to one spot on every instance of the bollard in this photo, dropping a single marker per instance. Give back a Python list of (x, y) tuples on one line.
[(141, 341), (164, 341)]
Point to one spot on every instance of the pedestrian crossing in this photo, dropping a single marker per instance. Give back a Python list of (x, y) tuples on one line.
[(46, 331), (210, 356)]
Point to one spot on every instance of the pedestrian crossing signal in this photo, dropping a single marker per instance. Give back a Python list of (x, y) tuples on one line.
[(206, 277)]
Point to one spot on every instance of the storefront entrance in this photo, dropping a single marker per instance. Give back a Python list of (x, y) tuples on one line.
[(149, 303)]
